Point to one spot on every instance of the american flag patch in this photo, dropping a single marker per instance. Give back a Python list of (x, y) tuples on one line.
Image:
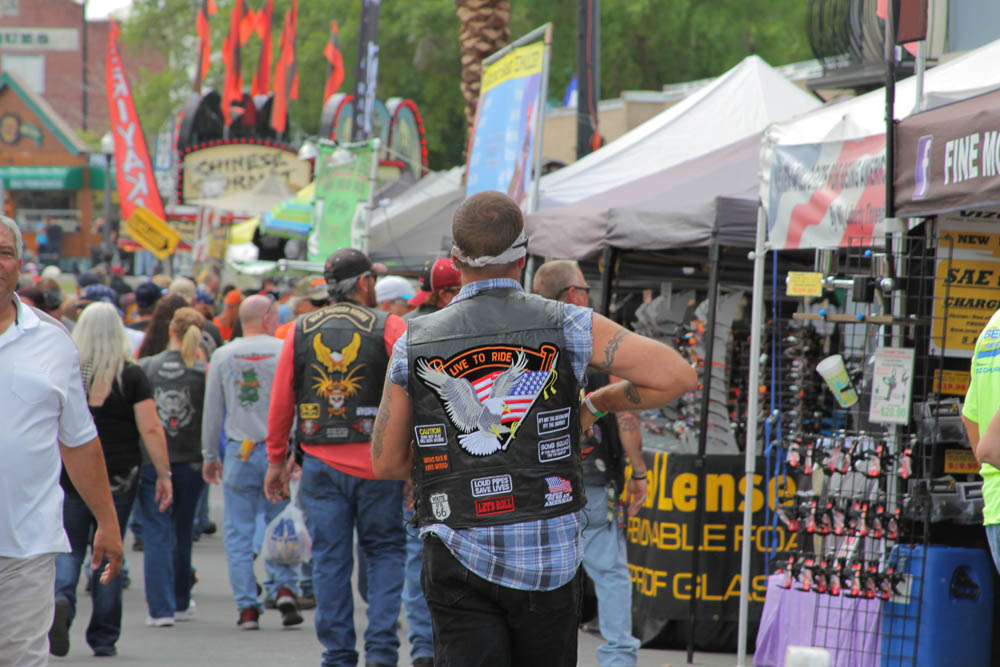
[(559, 485), (560, 491), (521, 396)]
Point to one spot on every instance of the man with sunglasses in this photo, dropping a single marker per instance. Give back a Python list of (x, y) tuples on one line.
[(603, 449), (329, 375)]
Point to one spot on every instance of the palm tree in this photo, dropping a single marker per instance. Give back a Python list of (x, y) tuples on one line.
[(485, 30)]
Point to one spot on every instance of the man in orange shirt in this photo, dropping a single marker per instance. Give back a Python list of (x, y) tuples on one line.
[(330, 375), (226, 320)]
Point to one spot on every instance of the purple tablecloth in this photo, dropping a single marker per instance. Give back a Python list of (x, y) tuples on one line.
[(847, 627)]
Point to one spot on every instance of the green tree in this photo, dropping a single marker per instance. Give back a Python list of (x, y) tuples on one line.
[(644, 43)]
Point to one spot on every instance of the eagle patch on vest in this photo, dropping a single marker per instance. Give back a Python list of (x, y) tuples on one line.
[(487, 391), (337, 378)]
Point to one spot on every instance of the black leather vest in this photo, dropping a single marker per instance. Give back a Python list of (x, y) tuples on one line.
[(340, 364), (179, 394), (495, 412), (603, 456)]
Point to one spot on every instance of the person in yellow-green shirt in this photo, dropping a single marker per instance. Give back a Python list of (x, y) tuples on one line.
[(981, 404)]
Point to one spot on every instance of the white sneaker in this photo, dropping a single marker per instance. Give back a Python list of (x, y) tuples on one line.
[(165, 622), (185, 614)]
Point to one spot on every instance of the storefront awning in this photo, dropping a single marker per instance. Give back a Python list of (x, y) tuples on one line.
[(42, 178)]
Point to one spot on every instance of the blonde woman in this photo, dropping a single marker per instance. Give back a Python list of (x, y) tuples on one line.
[(121, 402), (177, 376)]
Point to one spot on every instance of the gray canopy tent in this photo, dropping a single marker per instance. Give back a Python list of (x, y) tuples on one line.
[(679, 207), (416, 225)]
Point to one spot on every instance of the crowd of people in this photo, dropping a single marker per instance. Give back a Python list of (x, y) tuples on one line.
[(442, 425)]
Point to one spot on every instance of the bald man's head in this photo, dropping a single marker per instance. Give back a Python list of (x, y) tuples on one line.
[(258, 313)]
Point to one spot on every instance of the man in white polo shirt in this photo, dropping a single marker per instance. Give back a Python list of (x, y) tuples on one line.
[(44, 415)]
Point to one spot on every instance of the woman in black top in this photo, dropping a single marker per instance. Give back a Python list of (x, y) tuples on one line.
[(177, 377), (121, 403)]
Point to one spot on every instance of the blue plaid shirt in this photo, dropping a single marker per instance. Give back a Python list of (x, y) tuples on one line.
[(537, 555)]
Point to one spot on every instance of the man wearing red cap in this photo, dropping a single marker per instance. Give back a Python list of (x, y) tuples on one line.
[(440, 281), (226, 320), (330, 375)]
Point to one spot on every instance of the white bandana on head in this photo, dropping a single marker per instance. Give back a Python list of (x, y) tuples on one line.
[(517, 250)]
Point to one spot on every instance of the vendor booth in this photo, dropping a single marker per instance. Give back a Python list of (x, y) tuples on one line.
[(673, 253), (866, 377)]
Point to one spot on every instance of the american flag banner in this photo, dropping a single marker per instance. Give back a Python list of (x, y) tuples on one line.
[(522, 395), (827, 195)]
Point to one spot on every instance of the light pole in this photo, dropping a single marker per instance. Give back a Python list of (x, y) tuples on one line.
[(108, 149)]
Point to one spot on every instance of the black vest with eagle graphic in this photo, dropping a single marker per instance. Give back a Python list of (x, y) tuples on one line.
[(495, 412), (340, 364)]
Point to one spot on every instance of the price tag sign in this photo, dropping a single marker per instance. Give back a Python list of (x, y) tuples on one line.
[(892, 386), (960, 462), (804, 283)]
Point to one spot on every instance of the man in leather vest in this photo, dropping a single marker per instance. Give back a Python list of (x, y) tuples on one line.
[(604, 557), (487, 390), (328, 375)]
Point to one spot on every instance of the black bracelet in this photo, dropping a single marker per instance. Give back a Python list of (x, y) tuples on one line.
[(637, 477)]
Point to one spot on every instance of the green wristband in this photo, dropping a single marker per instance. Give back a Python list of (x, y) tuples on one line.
[(590, 406)]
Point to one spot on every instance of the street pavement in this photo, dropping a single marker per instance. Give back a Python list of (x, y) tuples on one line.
[(212, 637)]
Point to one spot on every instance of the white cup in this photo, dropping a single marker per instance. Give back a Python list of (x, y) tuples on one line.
[(833, 371)]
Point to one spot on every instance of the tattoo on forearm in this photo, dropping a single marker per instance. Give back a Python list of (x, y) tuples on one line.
[(627, 423), (381, 421), (612, 347), (632, 393)]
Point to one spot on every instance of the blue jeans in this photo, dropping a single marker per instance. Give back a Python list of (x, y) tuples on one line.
[(335, 503), (201, 518), (167, 535), (418, 616), (106, 617), (243, 495), (993, 537), (606, 563), (135, 521)]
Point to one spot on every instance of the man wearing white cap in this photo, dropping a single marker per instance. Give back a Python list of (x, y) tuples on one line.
[(392, 293)]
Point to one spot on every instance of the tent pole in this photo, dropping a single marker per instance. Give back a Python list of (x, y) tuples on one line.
[(609, 257), (373, 186), (699, 463), (753, 409)]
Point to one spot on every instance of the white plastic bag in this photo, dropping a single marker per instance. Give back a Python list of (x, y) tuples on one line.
[(286, 539)]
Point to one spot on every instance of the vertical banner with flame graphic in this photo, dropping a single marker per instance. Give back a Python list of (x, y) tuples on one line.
[(133, 171)]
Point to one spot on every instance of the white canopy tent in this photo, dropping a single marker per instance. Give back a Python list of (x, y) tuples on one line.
[(862, 116), (739, 103)]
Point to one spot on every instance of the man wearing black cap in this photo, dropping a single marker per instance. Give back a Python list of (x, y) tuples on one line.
[(147, 293), (488, 392), (330, 375)]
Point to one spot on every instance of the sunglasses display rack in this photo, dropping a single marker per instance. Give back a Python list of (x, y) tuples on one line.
[(850, 512)]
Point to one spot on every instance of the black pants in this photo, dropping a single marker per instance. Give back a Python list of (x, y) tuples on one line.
[(479, 623)]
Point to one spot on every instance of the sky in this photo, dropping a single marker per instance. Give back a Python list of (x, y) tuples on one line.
[(99, 9)]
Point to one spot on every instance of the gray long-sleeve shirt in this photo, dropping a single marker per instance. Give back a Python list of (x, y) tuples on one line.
[(240, 377)]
